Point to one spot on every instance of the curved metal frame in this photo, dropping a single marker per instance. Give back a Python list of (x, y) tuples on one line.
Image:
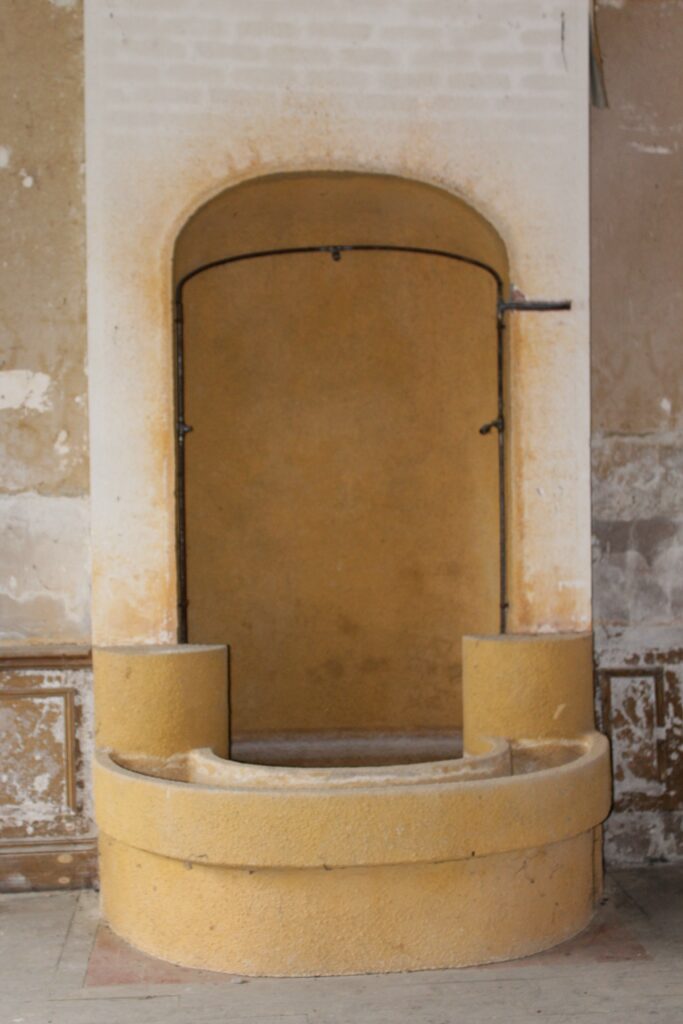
[(336, 251)]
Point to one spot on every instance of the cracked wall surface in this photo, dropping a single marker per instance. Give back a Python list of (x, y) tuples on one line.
[(44, 525), (637, 383)]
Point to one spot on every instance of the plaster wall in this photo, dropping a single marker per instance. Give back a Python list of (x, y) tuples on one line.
[(637, 311), (486, 100), (44, 519)]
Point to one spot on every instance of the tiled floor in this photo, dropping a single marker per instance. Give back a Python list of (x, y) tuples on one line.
[(60, 965)]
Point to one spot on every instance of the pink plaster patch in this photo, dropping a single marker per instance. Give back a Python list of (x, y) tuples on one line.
[(606, 940), (114, 962)]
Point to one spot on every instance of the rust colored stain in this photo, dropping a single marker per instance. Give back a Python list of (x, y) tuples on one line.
[(542, 489), (309, 133), (562, 609)]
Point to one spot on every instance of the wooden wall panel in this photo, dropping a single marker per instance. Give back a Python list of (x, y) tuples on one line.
[(47, 837)]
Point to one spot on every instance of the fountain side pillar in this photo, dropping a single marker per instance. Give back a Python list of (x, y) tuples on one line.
[(158, 702), (527, 687)]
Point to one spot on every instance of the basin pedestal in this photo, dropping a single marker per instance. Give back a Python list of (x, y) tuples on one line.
[(286, 871)]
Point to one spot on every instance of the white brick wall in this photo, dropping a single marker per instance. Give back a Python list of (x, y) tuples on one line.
[(428, 50), (487, 98)]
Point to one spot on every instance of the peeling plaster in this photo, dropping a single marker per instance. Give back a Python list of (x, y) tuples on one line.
[(647, 820), (44, 563), (61, 447), (43, 253), (635, 837), (658, 150), (33, 791), (24, 389)]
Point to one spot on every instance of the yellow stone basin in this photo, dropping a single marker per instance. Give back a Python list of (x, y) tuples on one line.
[(284, 870), (296, 817)]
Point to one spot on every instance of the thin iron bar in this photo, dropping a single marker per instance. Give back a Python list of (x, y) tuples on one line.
[(335, 251), (533, 305), (181, 432), (502, 507)]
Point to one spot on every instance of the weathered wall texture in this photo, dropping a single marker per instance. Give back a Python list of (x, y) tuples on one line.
[(47, 837), (46, 831), (44, 591), (488, 100), (637, 306)]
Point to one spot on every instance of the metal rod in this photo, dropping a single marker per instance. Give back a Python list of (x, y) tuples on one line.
[(502, 508), (533, 305), (336, 251), (511, 306), (180, 432)]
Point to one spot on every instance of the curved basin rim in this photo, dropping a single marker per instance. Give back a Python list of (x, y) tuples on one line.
[(593, 743)]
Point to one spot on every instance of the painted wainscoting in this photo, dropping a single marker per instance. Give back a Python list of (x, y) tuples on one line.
[(47, 836)]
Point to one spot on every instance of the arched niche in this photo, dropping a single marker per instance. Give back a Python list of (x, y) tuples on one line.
[(342, 523)]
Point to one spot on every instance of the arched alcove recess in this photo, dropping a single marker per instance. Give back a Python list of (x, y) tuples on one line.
[(341, 505)]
